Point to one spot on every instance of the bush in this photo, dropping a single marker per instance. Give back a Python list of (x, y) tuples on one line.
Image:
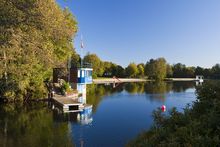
[(199, 125)]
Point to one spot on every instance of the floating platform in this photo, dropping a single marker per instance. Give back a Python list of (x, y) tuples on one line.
[(69, 104)]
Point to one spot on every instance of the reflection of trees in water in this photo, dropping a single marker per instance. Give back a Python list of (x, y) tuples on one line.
[(134, 87), (166, 87), (157, 87), (182, 86), (157, 90), (96, 92), (31, 126)]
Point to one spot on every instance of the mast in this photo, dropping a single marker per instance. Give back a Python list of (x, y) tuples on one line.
[(81, 46)]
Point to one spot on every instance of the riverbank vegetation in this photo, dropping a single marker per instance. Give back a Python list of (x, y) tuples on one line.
[(199, 125), (35, 36)]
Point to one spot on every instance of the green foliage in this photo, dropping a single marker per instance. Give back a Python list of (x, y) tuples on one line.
[(65, 87), (156, 69), (111, 69), (35, 36), (169, 71), (131, 70), (216, 71), (75, 60), (97, 64), (108, 69), (181, 71), (103, 68), (140, 70), (199, 125)]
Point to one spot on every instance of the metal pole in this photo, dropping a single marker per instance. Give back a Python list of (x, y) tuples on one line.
[(81, 51), (81, 64)]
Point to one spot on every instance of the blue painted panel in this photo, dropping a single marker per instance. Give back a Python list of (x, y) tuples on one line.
[(81, 80), (85, 76)]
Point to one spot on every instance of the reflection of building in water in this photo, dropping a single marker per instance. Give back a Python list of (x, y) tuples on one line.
[(199, 80), (83, 117), (199, 83)]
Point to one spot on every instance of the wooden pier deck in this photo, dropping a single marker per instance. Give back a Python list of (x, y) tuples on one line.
[(68, 104)]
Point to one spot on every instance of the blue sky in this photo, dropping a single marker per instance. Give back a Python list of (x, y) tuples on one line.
[(124, 31)]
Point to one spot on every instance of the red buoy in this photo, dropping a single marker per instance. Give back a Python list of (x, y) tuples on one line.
[(163, 108)]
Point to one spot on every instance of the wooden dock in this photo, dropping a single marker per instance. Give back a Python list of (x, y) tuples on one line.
[(68, 104)]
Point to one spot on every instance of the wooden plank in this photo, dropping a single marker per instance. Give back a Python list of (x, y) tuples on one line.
[(68, 103)]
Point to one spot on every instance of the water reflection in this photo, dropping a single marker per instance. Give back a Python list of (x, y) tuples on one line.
[(182, 86), (134, 88), (126, 109), (133, 103), (154, 90), (83, 118), (31, 125)]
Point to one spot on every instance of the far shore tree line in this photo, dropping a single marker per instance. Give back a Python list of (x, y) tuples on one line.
[(157, 69)]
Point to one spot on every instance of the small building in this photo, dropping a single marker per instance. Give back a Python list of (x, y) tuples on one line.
[(199, 78), (77, 77), (84, 75), (73, 75)]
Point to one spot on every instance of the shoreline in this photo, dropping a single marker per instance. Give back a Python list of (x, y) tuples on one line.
[(180, 79), (124, 80), (118, 80)]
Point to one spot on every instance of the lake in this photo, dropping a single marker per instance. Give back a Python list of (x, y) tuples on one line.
[(119, 113)]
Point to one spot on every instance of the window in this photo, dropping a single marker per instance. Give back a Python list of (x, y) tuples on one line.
[(83, 72), (78, 74)]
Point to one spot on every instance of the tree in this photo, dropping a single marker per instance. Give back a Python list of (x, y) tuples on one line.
[(199, 71), (169, 71), (178, 70), (119, 71), (189, 72), (216, 71), (140, 70), (181, 71), (75, 60), (97, 64), (156, 69), (35, 36), (108, 71), (131, 70)]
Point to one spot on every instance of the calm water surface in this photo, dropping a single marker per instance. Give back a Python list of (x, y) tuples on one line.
[(118, 115)]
